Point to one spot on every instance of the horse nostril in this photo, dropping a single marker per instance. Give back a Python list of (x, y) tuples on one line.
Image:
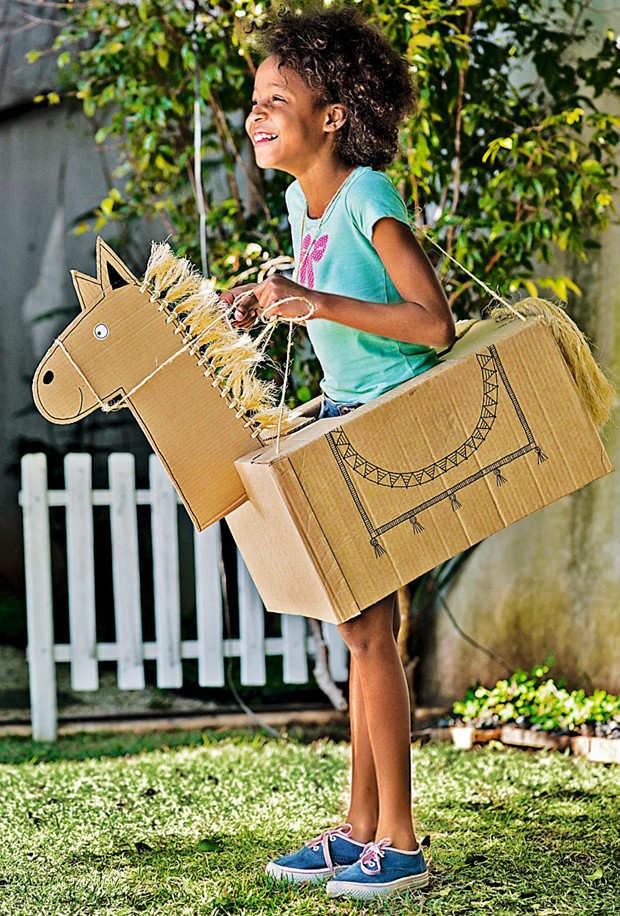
[(48, 378)]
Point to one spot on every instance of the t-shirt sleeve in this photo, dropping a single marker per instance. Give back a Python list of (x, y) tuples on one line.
[(372, 198)]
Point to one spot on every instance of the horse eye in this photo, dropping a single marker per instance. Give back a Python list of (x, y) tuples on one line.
[(101, 331)]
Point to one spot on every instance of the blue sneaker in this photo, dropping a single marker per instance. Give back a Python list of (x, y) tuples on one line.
[(327, 854), (380, 870)]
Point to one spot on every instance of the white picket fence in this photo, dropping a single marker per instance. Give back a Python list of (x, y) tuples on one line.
[(129, 651)]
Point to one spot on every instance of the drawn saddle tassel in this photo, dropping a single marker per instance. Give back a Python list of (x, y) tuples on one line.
[(541, 455), (379, 550)]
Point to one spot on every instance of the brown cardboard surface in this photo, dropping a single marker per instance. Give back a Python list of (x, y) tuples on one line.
[(187, 422), (390, 490)]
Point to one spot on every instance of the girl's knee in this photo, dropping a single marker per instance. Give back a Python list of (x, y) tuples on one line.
[(368, 633)]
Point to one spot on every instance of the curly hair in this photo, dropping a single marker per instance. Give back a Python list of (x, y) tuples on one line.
[(346, 61)]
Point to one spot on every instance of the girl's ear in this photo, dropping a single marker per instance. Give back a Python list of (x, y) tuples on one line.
[(335, 118)]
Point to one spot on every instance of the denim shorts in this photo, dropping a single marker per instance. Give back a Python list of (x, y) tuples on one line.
[(331, 408)]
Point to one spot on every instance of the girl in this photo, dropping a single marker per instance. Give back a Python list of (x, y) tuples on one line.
[(328, 99)]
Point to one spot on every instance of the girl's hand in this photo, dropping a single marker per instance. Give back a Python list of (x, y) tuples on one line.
[(275, 288), (245, 313)]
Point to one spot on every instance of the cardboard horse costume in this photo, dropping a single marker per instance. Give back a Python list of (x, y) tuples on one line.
[(346, 509)]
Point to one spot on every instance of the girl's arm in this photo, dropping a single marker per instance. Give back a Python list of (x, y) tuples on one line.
[(423, 318)]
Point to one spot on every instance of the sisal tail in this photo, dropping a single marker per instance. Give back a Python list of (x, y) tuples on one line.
[(595, 389)]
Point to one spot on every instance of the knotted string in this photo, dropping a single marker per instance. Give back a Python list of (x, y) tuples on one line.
[(272, 320), (472, 276)]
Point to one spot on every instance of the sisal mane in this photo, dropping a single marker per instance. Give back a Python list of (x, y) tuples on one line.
[(229, 356)]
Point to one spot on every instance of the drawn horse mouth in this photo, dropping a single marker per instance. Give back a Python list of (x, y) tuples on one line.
[(79, 411), (65, 418)]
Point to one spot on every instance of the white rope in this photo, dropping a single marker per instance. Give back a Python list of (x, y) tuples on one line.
[(108, 408), (79, 371), (200, 199)]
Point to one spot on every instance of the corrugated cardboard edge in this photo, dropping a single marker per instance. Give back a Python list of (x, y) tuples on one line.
[(339, 600)]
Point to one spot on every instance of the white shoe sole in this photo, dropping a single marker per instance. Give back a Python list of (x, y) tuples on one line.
[(363, 891), (301, 876)]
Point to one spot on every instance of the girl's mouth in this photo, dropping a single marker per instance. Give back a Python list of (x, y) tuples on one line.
[(263, 137)]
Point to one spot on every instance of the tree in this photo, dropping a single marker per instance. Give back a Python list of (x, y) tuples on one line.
[(510, 158)]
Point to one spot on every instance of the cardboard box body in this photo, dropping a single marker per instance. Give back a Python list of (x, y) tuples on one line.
[(354, 507)]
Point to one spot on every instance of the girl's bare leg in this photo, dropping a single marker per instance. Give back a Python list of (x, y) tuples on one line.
[(364, 804), (380, 724)]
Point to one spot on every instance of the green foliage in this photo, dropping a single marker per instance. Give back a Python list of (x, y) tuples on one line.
[(510, 158), (512, 155), (536, 700)]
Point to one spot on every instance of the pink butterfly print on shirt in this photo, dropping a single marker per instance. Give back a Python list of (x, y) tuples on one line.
[(310, 252)]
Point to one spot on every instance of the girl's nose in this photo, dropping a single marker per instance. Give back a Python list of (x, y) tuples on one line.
[(258, 111)]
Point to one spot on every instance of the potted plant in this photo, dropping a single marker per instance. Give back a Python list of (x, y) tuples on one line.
[(532, 710)]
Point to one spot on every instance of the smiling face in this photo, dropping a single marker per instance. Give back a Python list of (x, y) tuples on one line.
[(287, 128)]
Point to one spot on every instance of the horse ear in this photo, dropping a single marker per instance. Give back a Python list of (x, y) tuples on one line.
[(88, 290), (111, 272)]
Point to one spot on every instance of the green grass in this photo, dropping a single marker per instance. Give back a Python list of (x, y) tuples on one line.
[(185, 823)]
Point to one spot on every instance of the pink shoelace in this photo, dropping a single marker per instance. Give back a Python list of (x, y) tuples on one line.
[(322, 841), (372, 854)]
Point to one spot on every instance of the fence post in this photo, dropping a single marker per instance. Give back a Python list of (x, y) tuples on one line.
[(251, 628), (294, 652), (125, 571), (209, 606), (81, 572), (39, 597), (165, 539)]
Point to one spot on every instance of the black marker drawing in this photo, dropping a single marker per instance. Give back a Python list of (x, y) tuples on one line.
[(351, 462)]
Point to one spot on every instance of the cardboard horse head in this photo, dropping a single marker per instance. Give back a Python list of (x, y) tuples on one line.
[(162, 348)]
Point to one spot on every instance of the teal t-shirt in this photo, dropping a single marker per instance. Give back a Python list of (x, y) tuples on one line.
[(340, 258)]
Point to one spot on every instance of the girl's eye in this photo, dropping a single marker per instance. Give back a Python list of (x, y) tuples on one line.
[(275, 98), (101, 331)]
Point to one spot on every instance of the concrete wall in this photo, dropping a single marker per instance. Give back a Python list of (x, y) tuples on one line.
[(50, 174), (550, 584)]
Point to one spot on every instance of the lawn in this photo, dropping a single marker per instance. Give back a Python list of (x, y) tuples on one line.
[(183, 824)]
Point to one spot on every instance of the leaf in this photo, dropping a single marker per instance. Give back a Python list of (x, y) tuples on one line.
[(53, 98), (573, 116), (163, 56), (596, 875), (33, 56), (531, 288)]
